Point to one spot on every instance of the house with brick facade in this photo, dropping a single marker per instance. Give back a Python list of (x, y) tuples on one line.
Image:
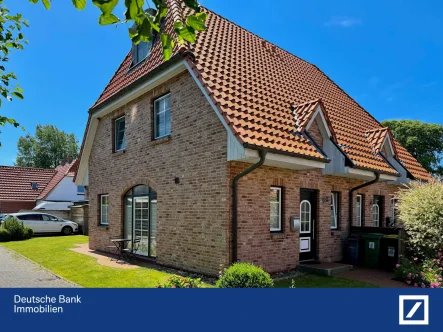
[(27, 188), (234, 150)]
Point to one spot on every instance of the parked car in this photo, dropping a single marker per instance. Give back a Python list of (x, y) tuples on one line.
[(46, 223), (3, 216)]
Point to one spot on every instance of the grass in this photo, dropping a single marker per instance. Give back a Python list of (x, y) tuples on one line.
[(315, 281), (53, 253)]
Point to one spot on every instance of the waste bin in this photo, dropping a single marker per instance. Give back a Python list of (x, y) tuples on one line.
[(352, 249), (372, 248), (389, 252)]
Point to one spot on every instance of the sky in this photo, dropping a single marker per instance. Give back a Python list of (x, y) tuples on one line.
[(387, 55)]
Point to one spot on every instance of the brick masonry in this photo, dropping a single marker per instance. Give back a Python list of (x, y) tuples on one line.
[(277, 252), (15, 206), (192, 216), (193, 230)]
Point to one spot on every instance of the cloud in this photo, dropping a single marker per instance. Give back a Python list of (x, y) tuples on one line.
[(343, 22), (429, 84)]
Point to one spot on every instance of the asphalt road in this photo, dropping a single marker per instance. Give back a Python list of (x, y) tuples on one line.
[(19, 272)]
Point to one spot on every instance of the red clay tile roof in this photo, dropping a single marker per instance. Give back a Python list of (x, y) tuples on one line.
[(15, 182), (254, 83), (303, 114), (376, 138), (61, 172)]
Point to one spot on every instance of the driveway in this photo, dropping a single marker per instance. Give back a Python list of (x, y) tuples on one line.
[(19, 272)]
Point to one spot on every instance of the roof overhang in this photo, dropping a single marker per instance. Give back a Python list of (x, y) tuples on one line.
[(148, 84), (282, 161), (362, 174)]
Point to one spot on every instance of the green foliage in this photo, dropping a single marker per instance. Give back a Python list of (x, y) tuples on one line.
[(47, 148), (423, 140), (11, 38), (424, 274), (176, 281), (148, 21), (4, 235), (17, 231), (421, 211), (245, 275), (28, 233)]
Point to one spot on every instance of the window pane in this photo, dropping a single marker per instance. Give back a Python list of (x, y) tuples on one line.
[(275, 207), (167, 122), (120, 134), (162, 110)]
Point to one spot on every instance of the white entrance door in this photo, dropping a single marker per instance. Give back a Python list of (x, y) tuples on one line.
[(141, 224)]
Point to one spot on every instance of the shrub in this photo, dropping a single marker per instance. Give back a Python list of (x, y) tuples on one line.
[(16, 229), (245, 275), (421, 211), (4, 235), (28, 233), (181, 282), (428, 273)]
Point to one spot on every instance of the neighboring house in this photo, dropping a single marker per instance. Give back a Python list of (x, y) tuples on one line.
[(167, 145), (51, 190)]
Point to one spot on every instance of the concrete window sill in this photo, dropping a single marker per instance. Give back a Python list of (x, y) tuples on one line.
[(161, 140)]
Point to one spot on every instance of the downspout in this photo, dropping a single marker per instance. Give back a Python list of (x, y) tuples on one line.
[(234, 225), (351, 192)]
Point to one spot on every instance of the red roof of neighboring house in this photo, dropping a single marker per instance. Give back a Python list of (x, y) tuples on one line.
[(15, 182), (254, 84)]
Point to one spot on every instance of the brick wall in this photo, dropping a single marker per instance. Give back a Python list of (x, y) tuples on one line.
[(192, 218), (16, 206), (280, 251)]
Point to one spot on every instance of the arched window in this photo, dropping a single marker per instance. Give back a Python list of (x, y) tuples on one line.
[(140, 218), (305, 217), (376, 215)]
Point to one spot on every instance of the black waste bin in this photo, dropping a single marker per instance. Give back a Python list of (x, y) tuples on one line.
[(352, 249), (389, 252), (372, 248)]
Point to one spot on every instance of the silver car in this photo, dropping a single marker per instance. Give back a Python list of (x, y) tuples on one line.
[(46, 223)]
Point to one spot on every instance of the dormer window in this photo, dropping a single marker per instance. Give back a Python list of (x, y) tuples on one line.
[(140, 51)]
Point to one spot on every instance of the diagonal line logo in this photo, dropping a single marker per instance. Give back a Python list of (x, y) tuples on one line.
[(418, 314)]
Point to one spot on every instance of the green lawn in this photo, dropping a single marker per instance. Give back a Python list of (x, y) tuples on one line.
[(53, 253), (314, 281)]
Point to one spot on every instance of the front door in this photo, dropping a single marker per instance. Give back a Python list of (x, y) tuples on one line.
[(308, 224)]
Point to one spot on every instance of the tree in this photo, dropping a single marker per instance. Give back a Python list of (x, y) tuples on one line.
[(146, 24), (47, 148), (11, 37), (423, 140)]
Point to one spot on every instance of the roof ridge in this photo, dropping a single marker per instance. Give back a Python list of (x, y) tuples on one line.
[(29, 168)]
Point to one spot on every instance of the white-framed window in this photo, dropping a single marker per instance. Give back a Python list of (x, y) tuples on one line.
[(376, 215), (358, 210), (335, 209), (119, 134), (104, 203), (305, 217), (162, 116), (275, 205)]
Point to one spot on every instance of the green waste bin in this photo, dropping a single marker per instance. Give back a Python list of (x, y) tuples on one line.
[(389, 252), (372, 248)]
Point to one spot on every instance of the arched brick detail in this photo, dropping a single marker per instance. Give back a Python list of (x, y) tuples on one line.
[(135, 182)]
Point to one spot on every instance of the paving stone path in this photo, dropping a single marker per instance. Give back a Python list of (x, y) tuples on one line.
[(19, 272)]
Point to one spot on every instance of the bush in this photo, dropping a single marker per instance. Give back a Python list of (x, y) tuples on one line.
[(421, 211), (245, 275), (181, 282), (16, 229), (29, 233), (427, 273), (4, 235)]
